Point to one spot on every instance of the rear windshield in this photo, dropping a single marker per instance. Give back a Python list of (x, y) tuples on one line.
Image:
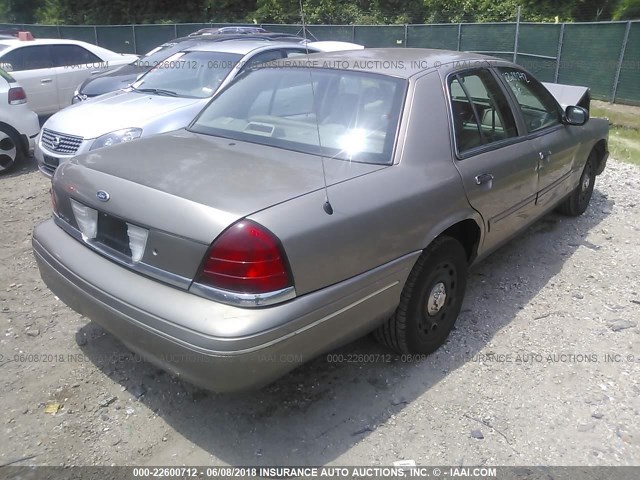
[(354, 117), (189, 74)]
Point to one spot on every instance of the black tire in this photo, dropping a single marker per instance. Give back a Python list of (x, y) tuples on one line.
[(11, 151), (413, 328), (576, 203)]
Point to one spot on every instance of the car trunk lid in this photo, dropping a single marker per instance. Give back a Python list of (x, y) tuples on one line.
[(183, 189)]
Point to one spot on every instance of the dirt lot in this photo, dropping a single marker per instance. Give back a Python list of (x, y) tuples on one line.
[(524, 379)]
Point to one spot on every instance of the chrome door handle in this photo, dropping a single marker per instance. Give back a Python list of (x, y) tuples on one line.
[(545, 156), (46, 80), (484, 178)]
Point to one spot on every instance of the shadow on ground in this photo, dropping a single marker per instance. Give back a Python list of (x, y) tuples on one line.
[(320, 410), (27, 165)]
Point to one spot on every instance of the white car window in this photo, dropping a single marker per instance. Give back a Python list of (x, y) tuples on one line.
[(33, 57), (66, 55)]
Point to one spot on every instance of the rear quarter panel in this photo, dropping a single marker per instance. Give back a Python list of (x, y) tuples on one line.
[(383, 215)]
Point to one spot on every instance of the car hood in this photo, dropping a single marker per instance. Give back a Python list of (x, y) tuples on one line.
[(112, 80), (567, 95), (114, 111)]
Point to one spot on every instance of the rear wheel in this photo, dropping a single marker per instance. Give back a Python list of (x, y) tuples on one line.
[(430, 301), (11, 151), (578, 201)]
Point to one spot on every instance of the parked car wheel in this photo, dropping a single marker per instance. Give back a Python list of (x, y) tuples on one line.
[(430, 301), (578, 201), (11, 152)]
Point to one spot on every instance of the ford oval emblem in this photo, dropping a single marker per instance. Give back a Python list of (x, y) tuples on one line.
[(102, 196)]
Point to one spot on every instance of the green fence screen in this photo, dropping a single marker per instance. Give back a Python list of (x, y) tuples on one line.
[(628, 86), (590, 56), (488, 37), (84, 34), (117, 38), (433, 36)]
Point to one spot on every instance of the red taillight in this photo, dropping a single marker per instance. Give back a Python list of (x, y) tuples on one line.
[(17, 96), (246, 258)]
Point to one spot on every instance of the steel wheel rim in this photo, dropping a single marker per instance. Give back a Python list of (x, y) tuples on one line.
[(438, 298), (8, 151), (585, 183)]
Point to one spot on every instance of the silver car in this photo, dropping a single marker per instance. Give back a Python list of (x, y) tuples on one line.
[(312, 202), (166, 98)]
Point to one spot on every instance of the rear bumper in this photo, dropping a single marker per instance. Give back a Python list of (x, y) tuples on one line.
[(25, 122), (219, 347), (29, 143)]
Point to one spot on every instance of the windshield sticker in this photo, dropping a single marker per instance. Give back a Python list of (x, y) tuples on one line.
[(516, 77)]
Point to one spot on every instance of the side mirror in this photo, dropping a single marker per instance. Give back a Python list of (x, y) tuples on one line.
[(7, 67), (576, 115)]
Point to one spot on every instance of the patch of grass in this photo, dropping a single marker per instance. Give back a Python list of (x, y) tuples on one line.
[(624, 130)]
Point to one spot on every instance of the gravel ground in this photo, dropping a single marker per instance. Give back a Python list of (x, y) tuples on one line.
[(542, 369)]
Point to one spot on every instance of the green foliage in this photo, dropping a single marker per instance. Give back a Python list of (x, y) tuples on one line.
[(316, 11), (19, 11), (627, 10), (340, 11)]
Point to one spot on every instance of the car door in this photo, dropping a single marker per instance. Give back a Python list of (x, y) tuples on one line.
[(498, 167), (555, 143), (32, 67), (73, 64)]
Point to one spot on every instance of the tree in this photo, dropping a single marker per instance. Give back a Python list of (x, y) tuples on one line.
[(627, 10), (19, 11), (78, 12)]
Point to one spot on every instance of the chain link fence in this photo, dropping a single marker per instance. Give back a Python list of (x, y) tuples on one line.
[(604, 56)]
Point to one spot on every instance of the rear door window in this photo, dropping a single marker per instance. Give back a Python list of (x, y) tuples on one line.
[(67, 55), (29, 58), (481, 113)]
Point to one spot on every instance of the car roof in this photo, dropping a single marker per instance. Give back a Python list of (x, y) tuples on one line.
[(241, 47), (396, 62), (14, 42), (225, 37)]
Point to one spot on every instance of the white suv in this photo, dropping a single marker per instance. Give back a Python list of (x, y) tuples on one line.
[(51, 69), (19, 125)]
